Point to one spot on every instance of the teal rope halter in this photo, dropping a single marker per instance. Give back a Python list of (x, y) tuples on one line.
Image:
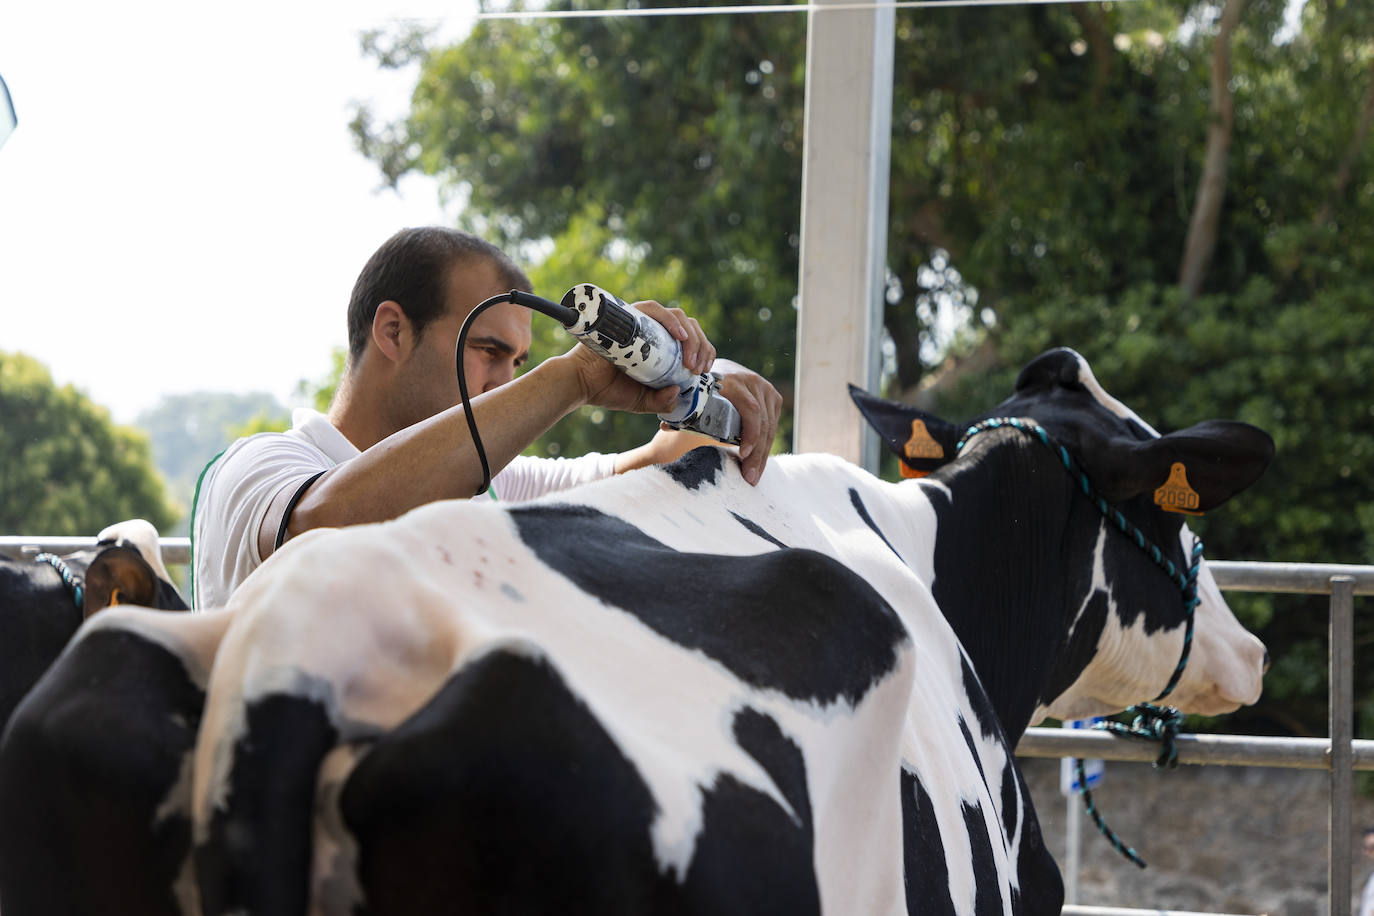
[(69, 578), (1152, 723)]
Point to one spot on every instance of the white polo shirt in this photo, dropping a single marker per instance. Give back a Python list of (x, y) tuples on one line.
[(237, 487)]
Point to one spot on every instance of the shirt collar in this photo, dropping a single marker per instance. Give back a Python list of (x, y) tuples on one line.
[(316, 429)]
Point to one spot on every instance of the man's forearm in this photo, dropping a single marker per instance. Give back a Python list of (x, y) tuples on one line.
[(437, 459)]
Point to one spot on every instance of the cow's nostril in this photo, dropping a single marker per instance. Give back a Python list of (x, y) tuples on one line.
[(1266, 661)]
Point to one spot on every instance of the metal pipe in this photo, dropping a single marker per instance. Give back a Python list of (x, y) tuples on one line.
[(174, 550), (1123, 911), (1217, 750), (1341, 719), (1293, 578)]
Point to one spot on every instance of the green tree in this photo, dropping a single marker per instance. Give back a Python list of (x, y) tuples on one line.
[(588, 251), (1177, 189), (680, 138), (187, 430), (65, 468)]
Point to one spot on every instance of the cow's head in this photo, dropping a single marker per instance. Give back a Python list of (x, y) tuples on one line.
[(124, 567), (127, 569), (1121, 632)]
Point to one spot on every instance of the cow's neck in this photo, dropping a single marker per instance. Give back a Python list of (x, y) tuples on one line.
[(1002, 542)]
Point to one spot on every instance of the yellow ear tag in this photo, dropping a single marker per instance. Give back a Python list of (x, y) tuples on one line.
[(1176, 495), (114, 596), (922, 444)]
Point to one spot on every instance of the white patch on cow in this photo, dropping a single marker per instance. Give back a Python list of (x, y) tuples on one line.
[(1094, 387), (1229, 659), (144, 538), (177, 801), (1225, 664), (303, 627), (951, 777), (334, 879), (1099, 582)]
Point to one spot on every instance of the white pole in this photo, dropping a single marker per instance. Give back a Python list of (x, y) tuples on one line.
[(844, 224)]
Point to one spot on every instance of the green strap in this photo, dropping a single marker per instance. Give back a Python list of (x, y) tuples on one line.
[(195, 502)]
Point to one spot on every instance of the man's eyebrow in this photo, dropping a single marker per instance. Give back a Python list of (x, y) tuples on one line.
[(499, 345)]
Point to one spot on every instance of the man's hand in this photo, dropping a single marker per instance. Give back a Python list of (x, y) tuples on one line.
[(606, 386), (759, 404), (757, 401)]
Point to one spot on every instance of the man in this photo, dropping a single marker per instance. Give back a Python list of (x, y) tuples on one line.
[(395, 437)]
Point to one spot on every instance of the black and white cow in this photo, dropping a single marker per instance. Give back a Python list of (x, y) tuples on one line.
[(669, 692), (44, 600)]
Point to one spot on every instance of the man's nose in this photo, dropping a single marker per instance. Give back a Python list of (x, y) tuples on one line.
[(497, 379)]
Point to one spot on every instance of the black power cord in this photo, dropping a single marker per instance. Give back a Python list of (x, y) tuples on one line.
[(562, 314)]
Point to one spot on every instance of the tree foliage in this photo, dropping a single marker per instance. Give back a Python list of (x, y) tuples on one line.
[(1045, 169), (679, 136), (65, 468), (187, 430)]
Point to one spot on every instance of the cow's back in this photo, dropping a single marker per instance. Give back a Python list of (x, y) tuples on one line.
[(713, 705)]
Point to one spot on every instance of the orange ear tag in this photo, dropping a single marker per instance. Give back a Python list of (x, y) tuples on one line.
[(922, 444), (1176, 495), (911, 473)]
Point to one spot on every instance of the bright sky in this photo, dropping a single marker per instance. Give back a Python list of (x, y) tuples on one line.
[(181, 205)]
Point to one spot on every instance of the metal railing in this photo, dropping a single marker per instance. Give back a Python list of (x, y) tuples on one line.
[(17, 547), (1340, 754)]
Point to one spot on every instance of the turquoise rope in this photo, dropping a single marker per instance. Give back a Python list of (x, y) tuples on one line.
[(68, 577), (1152, 723)]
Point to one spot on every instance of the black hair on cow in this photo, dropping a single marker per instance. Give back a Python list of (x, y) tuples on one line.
[(412, 269)]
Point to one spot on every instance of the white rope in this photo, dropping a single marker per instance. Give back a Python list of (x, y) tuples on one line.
[(765, 8)]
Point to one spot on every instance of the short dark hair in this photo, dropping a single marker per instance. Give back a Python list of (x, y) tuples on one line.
[(411, 269)]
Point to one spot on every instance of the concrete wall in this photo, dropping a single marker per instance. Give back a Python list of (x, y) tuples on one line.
[(1216, 839)]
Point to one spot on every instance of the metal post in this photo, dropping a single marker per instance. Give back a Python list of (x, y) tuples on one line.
[(1073, 835), (1341, 727), (848, 124)]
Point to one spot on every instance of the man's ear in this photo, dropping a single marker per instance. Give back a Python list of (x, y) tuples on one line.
[(391, 331)]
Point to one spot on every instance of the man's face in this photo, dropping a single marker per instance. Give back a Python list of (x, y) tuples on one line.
[(498, 344), (1369, 845)]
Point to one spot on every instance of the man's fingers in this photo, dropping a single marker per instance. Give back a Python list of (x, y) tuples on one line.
[(672, 319), (750, 426), (697, 351), (768, 407)]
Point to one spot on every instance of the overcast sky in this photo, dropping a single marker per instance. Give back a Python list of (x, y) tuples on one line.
[(181, 206)]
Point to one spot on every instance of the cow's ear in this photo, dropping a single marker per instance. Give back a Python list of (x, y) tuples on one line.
[(119, 575), (1192, 470), (921, 440)]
